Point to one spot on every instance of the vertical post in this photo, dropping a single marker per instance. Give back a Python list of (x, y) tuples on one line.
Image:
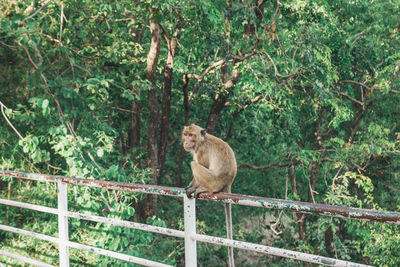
[(63, 223), (228, 216), (190, 231)]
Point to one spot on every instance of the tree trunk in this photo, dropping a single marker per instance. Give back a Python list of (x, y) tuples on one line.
[(215, 111), (166, 105), (301, 218), (152, 148), (315, 170), (186, 105), (134, 132)]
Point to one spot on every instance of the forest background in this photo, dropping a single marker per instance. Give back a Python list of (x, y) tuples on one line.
[(306, 92)]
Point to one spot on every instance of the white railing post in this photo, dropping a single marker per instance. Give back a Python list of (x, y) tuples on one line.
[(190, 232), (63, 223)]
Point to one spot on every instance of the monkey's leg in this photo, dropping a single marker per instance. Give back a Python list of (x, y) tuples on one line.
[(191, 188), (190, 184), (228, 216), (205, 178), (195, 190)]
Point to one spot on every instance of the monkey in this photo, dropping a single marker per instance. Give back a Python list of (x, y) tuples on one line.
[(214, 164), (214, 168)]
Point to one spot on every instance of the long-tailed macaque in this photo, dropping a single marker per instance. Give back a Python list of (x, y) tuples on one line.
[(214, 168)]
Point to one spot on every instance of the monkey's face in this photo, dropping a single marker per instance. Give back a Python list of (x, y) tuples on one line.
[(192, 137), (189, 140)]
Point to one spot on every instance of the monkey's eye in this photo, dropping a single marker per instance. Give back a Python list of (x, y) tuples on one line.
[(190, 135)]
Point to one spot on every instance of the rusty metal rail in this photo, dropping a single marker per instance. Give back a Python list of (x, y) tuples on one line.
[(189, 234), (270, 203)]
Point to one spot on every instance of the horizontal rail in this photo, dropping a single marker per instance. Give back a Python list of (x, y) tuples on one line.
[(117, 255), (84, 247), (128, 224), (270, 203), (277, 251), (28, 206), (29, 233), (307, 207), (94, 218), (23, 259), (137, 188)]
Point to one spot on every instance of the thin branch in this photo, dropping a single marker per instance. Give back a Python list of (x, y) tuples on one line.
[(250, 166), (28, 55), (193, 76), (201, 77), (355, 82), (7, 45), (276, 69), (61, 19), (349, 97), (36, 12), (8, 121), (73, 50), (237, 59)]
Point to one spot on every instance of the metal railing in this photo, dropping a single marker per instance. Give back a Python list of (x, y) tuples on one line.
[(189, 234)]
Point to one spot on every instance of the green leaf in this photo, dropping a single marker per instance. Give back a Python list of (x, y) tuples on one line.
[(100, 152), (45, 104)]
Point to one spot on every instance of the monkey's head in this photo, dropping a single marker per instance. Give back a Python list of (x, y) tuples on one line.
[(192, 137)]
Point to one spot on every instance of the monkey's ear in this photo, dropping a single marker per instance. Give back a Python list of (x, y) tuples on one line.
[(203, 132)]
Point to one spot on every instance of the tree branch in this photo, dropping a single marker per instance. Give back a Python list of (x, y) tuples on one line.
[(201, 77), (349, 97), (276, 69), (354, 82), (36, 12), (250, 166), (8, 121)]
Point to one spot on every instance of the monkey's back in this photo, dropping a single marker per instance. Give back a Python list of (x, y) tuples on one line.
[(221, 158)]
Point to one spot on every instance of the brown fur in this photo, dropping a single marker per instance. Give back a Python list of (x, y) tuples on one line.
[(214, 164)]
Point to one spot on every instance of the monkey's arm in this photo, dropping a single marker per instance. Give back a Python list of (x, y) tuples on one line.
[(206, 178)]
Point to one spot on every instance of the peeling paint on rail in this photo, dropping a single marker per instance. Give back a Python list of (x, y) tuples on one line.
[(306, 207), (270, 203), (277, 251)]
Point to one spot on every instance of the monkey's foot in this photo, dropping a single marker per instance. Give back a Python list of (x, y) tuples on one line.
[(198, 192), (189, 191)]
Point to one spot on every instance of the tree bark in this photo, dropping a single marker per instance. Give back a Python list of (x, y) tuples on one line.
[(166, 104), (152, 147), (301, 218), (186, 104), (134, 132)]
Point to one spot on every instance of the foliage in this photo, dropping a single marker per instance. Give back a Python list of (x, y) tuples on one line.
[(307, 90)]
